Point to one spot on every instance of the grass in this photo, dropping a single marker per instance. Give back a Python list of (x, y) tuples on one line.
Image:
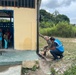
[(69, 45), (71, 71), (70, 48), (69, 53)]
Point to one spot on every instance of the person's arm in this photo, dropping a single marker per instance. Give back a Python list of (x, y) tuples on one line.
[(53, 46), (42, 36)]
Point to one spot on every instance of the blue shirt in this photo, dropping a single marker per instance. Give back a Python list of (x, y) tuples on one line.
[(0, 36), (58, 44)]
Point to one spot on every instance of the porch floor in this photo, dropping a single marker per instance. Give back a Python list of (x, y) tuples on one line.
[(11, 57)]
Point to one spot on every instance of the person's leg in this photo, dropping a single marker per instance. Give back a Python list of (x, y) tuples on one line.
[(0, 44), (56, 53), (5, 46), (45, 50), (53, 52), (60, 54)]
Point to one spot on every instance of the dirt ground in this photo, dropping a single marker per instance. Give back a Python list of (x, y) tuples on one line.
[(43, 69), (45, 66), (61, 65)]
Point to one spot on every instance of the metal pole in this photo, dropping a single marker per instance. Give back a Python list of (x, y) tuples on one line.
[(37, 51)]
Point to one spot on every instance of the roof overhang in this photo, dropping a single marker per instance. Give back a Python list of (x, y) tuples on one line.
[(6, 13)]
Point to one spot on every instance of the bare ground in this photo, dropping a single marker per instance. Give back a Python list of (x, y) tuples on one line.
[(45, 66), (61, 65)]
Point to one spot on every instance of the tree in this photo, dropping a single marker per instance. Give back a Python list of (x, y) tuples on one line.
[(52, 19), (45, 16), (60, 18), (56, 13), (4, 20)]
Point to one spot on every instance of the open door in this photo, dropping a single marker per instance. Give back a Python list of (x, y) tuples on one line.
[(7, 25)]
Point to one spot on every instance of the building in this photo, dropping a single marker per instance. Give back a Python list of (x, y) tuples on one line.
[(23, 16), (23, 24)]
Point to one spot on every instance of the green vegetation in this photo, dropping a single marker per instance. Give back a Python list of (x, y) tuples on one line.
[(4, 20), (62, 29), (53, 72), (25, 70), (70, 71), (34, 68), (69, 57), (56, 25)]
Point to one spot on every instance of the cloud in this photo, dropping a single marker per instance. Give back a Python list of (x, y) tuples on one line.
[(66, 7), (73, 20), (55, 3)]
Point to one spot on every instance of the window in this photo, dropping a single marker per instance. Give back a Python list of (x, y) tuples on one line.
[(5, 3), (12, 3), (18, 3), (9, 3)]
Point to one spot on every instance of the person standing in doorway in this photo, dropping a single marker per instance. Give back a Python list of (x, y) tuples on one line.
[(9, 37), (0, 38), (5, 40)]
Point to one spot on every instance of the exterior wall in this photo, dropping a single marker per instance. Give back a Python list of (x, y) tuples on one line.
[(25, 28)]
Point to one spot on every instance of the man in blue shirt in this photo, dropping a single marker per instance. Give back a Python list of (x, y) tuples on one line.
[(57, 48)]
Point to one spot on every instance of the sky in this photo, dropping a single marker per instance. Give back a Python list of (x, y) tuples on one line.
[(66, 7)]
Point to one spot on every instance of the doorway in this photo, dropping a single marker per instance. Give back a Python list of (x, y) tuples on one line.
[(7, 25)]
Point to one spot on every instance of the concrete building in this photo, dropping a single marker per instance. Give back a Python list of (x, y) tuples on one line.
[(23, 16)]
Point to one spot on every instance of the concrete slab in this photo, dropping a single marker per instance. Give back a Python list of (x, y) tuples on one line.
[(15, 56), (11, 61), (10, 70)]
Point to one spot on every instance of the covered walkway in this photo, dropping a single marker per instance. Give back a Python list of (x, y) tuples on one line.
[(12, 57)]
